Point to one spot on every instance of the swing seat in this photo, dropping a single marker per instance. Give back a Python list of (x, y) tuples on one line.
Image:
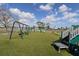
[(21, 33)]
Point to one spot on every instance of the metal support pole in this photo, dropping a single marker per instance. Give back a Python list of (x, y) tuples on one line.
[(21, 28), (21, 33), (61, 34), (58, 50), (12, 31)]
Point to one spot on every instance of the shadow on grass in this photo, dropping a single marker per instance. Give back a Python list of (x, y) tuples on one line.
[(74, 50), (71, 50)]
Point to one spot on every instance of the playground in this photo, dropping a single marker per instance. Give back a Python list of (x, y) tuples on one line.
[(36, 43), (31, 43), (21, 39), (23, 34)]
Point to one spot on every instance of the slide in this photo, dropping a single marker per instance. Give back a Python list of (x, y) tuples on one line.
[(75, 40)]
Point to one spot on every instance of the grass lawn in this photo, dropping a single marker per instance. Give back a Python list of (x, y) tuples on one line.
[(35, 44)]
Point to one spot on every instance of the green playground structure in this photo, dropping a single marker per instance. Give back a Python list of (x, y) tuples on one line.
[(69, 40), (75, 40), (74, 35)]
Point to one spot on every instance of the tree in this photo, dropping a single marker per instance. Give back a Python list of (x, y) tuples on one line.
[(4, 18), (47, 26), (41, 26), (33, 28)]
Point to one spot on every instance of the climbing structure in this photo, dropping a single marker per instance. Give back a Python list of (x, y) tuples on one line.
[(69, 39), (72, 34)]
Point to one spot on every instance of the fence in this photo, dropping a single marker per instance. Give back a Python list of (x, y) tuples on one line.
[(74, 33), (65, 33)]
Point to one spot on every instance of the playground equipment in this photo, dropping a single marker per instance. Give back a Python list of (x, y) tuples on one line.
[(69, 40), (24, 29)]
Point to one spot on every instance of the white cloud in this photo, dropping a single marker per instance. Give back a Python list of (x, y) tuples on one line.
[(30, 19), (27, 15), (28, 22), (47, 7), (56, 12), (68, 18), (67, 15), (50, 19), (73, 20), (64, 8), (22, 14), (15, 11), (70, 15), (24, 17)]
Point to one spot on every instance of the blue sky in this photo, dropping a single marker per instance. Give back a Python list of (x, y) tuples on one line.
[(57, 14)]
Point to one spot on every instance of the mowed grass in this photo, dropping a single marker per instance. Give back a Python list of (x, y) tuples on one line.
[(35, 44)]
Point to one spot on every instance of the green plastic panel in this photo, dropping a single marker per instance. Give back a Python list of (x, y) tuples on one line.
[(75, 40)]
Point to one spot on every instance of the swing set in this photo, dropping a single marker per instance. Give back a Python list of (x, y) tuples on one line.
[(22, 27)]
